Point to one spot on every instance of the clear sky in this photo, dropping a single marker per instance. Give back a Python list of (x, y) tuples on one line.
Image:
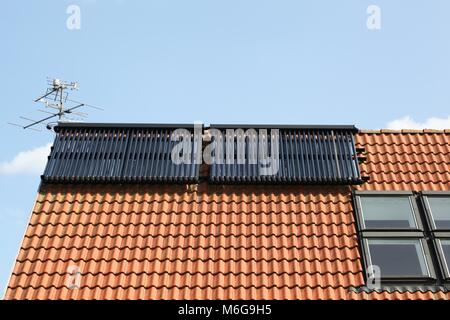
[(233, 61)]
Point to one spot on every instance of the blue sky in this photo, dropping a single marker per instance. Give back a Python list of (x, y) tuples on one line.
[(253, 61)]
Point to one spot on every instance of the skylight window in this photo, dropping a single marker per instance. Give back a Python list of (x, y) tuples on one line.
[(387, 212), (395, 239), (444, 251), (439, 209), (398, 258)]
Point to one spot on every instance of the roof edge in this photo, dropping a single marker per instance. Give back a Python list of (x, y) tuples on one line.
[(124, 125), (285, 126), (402, 131), (246, 126), (191, 125)]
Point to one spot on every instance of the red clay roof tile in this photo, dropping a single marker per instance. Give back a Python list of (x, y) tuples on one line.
[(406, 161), (221, 242)]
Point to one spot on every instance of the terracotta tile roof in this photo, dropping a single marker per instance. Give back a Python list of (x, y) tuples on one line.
[(219, 242), (406, 160)]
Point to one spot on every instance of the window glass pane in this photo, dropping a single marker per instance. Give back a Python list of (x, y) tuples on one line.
[(440, 210), (446, 251), (398, 258), (387, 212)]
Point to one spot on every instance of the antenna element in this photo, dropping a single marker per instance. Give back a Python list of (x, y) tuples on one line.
[(56, 99)]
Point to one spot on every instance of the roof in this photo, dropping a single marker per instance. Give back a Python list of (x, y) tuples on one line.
[(209, 241), (416, 160)]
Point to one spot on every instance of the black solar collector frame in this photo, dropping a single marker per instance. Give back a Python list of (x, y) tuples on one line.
[(307, 155), (118, 153)]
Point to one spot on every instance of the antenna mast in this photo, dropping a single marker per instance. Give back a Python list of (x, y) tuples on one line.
[(56, 99)]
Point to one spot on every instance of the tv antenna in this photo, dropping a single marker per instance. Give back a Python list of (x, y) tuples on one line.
[(57, 105)]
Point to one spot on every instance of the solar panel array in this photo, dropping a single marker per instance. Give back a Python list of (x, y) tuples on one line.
[(143, 153), (321, 155), (108, 154)]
